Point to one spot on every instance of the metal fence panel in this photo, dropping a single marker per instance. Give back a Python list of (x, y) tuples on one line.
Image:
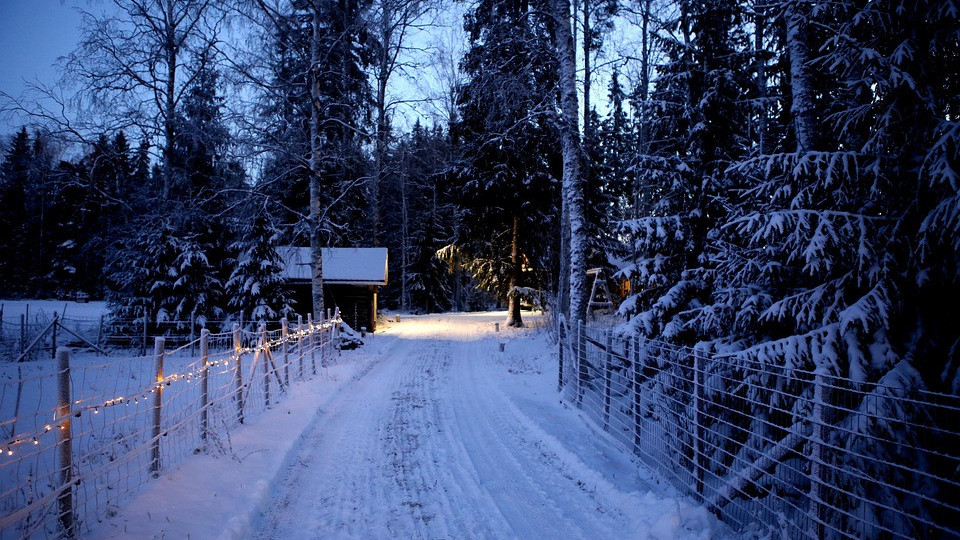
[(111, 415), (772, 448)]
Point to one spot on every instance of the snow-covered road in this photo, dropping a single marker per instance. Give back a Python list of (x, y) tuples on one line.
[(428, 445), (435, 434)]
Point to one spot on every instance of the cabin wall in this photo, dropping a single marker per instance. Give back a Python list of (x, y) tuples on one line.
[(357, 303)]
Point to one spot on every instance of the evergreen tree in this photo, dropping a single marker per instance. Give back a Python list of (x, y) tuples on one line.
[(285, 115), (206, 185), (422, 219), (828, 251), (699, 128), (16, 246), (613, 191), (141, 275), (508, 167), (197, 288), (343, 102), (256, 287), (190, 259), (614, 177)]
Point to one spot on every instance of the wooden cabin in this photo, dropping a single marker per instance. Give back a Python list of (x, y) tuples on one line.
[(352, 277)]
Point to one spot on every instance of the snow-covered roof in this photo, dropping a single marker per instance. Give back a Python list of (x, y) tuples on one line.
[(341, 266)]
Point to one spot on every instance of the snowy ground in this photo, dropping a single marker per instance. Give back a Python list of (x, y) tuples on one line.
[(44, 309), (427, 431)]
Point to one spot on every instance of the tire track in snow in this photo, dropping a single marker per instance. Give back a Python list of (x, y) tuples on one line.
[(426, 446), (377, 463), (420, 464), (333, 478), (536, 492)]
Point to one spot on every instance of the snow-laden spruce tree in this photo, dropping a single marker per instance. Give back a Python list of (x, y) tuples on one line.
[(255, 288), (197, 288), (612, 169), (140, 275), (698, 124), (839, 256), (506, 138), (422, 220), (697, 128)]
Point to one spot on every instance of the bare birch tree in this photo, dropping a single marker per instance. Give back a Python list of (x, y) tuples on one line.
[(339, 96), (394, 21), (573, 190), (136, 65)]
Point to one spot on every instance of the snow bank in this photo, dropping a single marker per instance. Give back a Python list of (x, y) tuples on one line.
[(219, 495)]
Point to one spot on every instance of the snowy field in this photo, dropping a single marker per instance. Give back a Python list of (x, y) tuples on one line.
[(44, 309), (427, 431)]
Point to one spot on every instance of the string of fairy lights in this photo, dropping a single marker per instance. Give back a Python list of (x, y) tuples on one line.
[(8, 448)]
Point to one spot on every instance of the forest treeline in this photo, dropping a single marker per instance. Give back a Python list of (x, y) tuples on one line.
[(775, 180)]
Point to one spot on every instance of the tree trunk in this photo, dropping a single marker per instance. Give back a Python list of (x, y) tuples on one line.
[(383, 129), (573, 189), (513, 302), (802, 110), (170, 103), (563, 287), (316, 240), (759, 29), (587, 74), (404, 244)]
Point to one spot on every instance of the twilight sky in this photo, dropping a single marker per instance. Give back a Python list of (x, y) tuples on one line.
[(33, 33)]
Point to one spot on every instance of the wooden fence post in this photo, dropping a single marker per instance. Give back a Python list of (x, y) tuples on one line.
[(23, 333), (100, 333), (204, 384), (157, 407), (53, 342), (285, 337), (699, 457), (65, 444), (815, 512), (607, 380), (637, 398), (238, 369), (326, 339), (264, 353), (311, 343), (326, 345), (335, 334), (300, 344), (193, 325)]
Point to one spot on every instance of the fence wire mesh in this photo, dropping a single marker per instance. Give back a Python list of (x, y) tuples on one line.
[(128, 419), (774, 449)]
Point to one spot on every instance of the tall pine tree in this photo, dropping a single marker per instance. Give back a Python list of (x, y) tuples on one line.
[(508, 167)]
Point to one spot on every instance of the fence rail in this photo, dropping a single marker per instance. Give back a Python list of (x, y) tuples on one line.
[(774, 449), (89, 431), (19, 335)]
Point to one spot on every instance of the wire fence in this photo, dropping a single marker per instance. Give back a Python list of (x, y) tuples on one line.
[(79, 435), (19, 335), (774, 450)]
